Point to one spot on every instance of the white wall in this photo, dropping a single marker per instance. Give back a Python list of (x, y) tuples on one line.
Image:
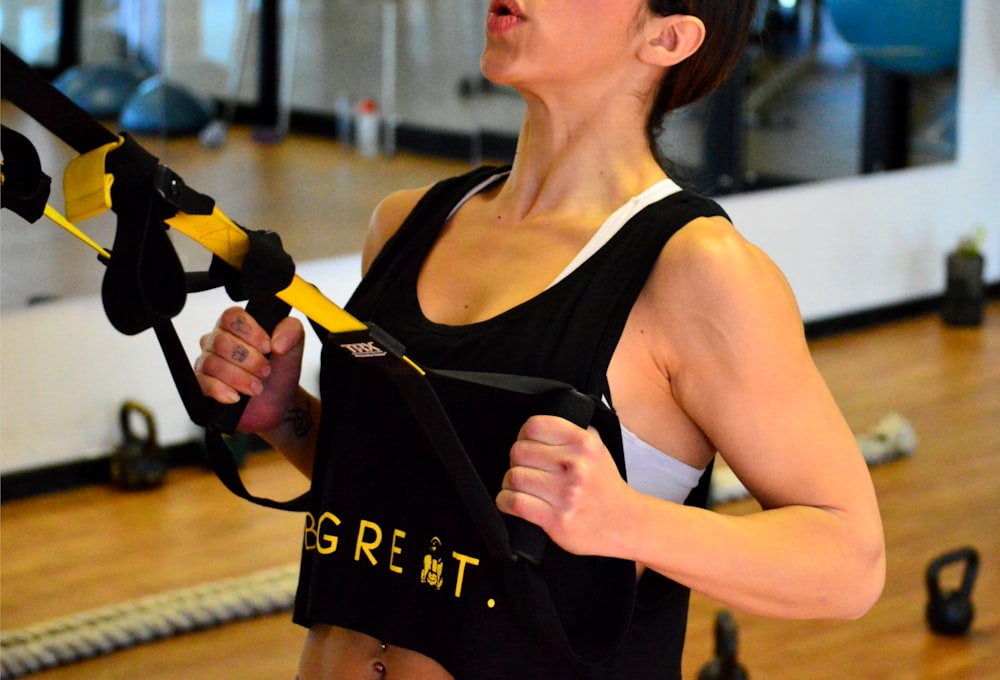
[(846, 246), (66, 371)]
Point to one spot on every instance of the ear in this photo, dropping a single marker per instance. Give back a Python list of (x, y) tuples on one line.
[(672, 39)]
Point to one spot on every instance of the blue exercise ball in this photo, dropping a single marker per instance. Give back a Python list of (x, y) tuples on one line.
[(159, 107), (101, 89), (906, 36)]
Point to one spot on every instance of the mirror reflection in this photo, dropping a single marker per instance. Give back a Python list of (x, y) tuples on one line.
[(830, 88), (827, 88)]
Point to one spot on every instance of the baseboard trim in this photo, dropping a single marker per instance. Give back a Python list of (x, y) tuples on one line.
[(454, 145), (875, 316), (97, 471)]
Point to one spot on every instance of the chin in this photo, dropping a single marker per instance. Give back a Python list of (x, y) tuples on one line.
[(496, 69)]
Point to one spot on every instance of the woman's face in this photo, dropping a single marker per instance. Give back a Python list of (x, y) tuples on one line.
[(530, 42)]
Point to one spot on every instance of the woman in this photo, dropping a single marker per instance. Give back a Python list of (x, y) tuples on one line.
[(708, 356)]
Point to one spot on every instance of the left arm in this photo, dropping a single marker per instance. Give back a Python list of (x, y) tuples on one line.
[(725, 333)]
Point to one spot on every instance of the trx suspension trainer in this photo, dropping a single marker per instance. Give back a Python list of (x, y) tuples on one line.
[(145, 287)]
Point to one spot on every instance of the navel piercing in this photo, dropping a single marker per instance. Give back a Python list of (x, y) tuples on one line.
[(378, 665)]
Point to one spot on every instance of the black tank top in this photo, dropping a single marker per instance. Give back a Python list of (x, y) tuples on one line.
[(387, 549)]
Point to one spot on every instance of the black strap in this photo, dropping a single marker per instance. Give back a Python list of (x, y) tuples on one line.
[(580, 607), (25, 188), (145, 286), (511, 540), (24, 87)]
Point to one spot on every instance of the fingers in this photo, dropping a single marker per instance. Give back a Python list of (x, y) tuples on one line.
[(549, 442), (288, 337), (233, 360), (547, 468), (565, 480), (223, 380), (237, 322)]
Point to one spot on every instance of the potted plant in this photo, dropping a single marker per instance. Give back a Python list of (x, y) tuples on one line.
[(965, 292)]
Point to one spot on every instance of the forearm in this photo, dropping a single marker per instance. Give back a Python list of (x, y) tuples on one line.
[(790, 562), (295, 437)]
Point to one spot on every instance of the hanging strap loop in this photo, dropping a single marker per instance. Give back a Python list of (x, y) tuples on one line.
[(145, 287), (25, 188)]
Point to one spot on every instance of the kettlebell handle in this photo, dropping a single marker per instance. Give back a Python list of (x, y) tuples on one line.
[(125, 418), (968, 555)]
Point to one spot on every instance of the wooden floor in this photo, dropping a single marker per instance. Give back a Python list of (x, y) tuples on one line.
[(76, 551)]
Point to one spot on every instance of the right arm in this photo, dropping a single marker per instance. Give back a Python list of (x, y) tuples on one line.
[(239, 358)]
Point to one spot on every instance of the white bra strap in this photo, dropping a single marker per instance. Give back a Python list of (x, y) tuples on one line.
[(616, 221)]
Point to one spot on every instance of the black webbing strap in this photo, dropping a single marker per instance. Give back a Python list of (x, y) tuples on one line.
[(578, 606), (524, 540), (527, 541), (27, 89), (145, 287), (25, 188)]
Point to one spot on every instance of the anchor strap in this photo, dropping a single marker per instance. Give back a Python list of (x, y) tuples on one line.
[(145, 286)]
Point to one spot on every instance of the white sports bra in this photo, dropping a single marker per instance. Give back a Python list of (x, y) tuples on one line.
[(649, 470)]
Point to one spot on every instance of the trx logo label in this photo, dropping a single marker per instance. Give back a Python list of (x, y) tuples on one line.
[(364, 350), (372, 547)]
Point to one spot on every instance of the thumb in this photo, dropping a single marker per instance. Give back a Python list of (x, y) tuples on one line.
[(287, 346)]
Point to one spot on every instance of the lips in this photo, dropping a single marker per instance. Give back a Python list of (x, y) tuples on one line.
[(504, 8), (503, 16)]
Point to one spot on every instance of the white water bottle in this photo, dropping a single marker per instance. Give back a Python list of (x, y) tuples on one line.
[(366, 128)]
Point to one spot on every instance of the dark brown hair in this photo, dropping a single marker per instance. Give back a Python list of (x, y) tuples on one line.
[(727, 25)]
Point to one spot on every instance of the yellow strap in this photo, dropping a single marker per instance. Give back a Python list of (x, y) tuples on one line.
[(86, 187), (226, 239), (53, 215)]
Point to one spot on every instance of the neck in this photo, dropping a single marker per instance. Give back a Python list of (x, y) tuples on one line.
[(575, 158)]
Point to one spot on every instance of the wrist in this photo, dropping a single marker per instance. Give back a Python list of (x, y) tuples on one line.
[(296, 423)]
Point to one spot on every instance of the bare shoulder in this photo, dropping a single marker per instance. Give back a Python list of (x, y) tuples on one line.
[(734, 349), (386, 219), (711, 280)]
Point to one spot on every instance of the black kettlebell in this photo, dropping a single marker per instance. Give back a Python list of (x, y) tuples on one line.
[(137, 463), (950, 612), (724, 666)]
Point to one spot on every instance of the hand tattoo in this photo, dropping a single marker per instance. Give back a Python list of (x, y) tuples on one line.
[(240, 354), (240, 324)]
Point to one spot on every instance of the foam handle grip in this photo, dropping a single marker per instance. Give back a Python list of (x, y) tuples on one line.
[(528, 541), (268, 313)]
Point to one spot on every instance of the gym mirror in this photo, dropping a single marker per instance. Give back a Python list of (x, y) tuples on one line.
[(828, 88)]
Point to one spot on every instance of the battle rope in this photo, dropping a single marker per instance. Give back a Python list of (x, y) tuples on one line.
[(97, 632)]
